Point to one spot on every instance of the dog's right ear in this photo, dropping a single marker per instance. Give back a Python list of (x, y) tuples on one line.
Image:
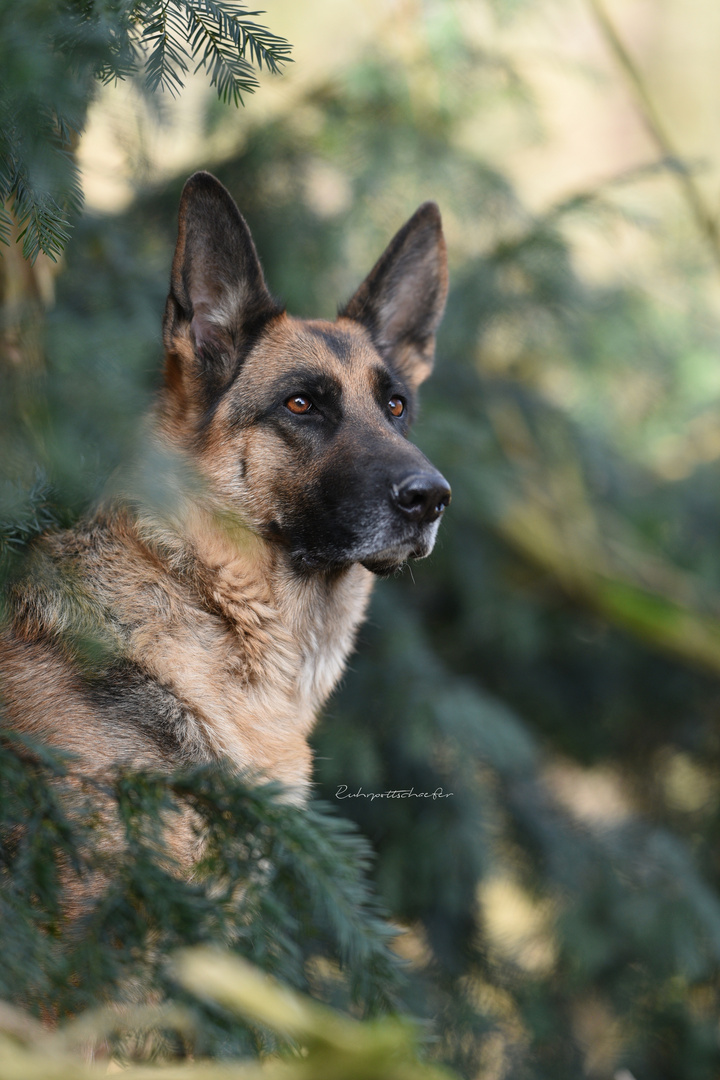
[(401, 301), (218, 298)]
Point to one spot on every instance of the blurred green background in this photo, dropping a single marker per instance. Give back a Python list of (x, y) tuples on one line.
[(556, 663)]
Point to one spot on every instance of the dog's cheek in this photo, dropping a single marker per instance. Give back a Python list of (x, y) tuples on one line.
[(427, 542), (224, 466), (310, 517), (274, 481), (240, 471)]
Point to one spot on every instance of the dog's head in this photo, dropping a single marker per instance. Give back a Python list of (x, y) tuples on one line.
[(301, 426)]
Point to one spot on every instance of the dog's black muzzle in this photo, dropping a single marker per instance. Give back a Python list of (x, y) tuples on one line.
[(379, 514)]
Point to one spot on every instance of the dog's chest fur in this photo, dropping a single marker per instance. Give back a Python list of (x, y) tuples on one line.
[(244, 651)]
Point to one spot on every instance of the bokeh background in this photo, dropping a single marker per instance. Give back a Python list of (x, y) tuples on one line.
[(555, 664)]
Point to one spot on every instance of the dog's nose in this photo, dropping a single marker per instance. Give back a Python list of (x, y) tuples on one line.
[(422, 497)]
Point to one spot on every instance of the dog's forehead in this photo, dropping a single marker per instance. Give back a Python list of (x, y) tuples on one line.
[(345, 344), (343, 349)]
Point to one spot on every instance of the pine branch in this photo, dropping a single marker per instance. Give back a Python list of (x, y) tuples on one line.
[(332, 859), (276, 883), (43, 223), (167, 61), (263, 46), (5, 226), (43, 103), (24, 513), (311, 854), (220, 56), (222, 38), (96, 42)]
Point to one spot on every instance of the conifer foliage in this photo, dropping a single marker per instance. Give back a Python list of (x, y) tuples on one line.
[(54, 56), (283, 887)]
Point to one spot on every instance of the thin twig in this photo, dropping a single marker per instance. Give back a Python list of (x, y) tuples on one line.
[(705, 221)]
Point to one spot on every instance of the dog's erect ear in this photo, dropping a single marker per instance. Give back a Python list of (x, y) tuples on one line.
[(401, 301), (218, 296)]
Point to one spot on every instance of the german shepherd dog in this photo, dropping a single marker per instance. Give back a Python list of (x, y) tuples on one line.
[(225, 607)]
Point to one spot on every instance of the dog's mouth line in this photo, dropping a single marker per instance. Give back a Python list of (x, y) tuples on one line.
[(384, 559), (398, 552)]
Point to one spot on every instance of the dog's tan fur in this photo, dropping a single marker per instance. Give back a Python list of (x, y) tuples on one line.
[(219, 635)]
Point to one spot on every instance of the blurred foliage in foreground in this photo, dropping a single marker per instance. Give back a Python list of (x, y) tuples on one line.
[(554, 665), (327, 1046), (283, 886)]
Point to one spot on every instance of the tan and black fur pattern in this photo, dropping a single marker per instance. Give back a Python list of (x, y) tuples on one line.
[(221, 612)]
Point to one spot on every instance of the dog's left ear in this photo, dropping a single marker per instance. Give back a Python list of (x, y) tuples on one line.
[(218, 295), (401, 301)]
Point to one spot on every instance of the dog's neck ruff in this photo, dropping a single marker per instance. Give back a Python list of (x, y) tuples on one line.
[(266, 647)]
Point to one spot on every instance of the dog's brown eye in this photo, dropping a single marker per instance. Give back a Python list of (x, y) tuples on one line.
[(396, 405), (298, 404)]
